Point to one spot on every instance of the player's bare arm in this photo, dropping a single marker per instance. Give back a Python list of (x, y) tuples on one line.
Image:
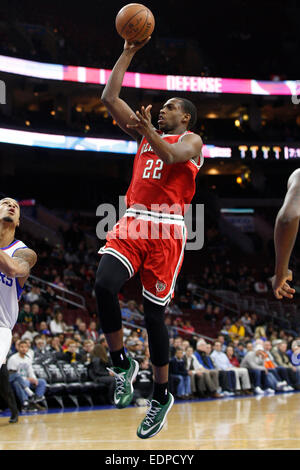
[(285, 233), (189, 147), (19, 265), (117, 107)]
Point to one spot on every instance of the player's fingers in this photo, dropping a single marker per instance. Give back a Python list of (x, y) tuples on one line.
[(277, 294), (143, 112), (284, 293), (288, 288), (148, 111), (133, 126), (139, 116), (134, 117)]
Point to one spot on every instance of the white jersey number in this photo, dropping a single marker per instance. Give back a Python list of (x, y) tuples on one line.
[(155, 172)]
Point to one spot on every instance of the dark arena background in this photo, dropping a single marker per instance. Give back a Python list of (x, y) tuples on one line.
[(62, 156)]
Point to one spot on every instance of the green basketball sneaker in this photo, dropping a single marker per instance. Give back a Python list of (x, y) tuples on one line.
[(124, 378), (155, 418)]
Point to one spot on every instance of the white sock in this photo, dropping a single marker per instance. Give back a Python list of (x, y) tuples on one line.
[(28, 391)]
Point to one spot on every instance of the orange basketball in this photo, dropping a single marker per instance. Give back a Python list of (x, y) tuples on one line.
[(135, 22)]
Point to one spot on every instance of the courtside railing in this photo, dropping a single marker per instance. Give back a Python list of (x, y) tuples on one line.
[(62, 293)]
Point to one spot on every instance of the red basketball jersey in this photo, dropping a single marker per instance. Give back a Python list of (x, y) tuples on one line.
[(155, 183)]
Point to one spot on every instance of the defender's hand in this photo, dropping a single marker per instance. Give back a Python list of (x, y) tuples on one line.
[(280, 287)]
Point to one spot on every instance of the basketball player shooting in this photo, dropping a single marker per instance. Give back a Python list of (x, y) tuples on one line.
[(165, 168), (16, 260), (285, 233)]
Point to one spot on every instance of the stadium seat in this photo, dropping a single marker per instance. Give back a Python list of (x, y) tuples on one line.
[(56, 386)]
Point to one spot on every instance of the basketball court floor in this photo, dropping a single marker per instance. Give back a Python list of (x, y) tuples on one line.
[(245, 423)]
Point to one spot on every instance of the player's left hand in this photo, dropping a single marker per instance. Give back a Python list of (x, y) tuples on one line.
[(142, 120), (281, 288)]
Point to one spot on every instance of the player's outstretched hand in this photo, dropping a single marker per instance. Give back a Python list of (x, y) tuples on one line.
[(141, 120), (281, 288), (135, 46)]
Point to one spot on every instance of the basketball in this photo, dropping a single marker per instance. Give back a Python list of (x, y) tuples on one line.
[(135, 22)]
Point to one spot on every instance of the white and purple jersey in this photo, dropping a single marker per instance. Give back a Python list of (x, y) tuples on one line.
[(10, 291)]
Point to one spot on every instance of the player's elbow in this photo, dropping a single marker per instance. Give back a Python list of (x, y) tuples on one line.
[(107, 99), (11, 272), (168, 159), (288, 218)]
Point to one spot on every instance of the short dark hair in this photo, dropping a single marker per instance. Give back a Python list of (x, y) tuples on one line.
[(191, 109)]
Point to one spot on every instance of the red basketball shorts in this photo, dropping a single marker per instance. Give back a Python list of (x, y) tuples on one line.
[(152, 244)]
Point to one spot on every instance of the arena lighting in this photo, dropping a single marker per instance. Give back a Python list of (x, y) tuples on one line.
[(71, 73), (91, 144), (268, 151)]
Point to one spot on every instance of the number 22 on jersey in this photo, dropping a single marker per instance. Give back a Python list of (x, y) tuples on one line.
[(153, 169)]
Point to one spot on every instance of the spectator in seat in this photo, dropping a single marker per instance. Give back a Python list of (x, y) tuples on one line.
[(26, 316), (178, 371), (21, 364), (43, 329), (240, 351), (260, 333), (130, 344), (92, 331), (33, 295), (254, 361), (209, 315), (260, 287), (243, 377), (42, 354), (280, 372), (82, 331), (185, 344), (88, 348), (188, 327), (130, 313), (99, 372), (55, 345), (38, 315), (139, 350), (221, 339), (203, 381), (143, 384), (30, 332), (49, 296), (70, 355), (198, 304), (172, 330), (202, 353), (57, 325), (237, 330), (177, 343), (232, 358), (282, 359), (223, 363), (15, 338)]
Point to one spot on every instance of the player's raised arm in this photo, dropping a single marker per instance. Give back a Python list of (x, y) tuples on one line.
[(19, 265), (117, 107), (285, 233), (189, 147)]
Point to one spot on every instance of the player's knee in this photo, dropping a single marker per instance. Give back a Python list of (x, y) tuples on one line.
[(104, 283)]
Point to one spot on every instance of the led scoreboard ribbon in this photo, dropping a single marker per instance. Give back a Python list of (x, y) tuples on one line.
[(78, 74)]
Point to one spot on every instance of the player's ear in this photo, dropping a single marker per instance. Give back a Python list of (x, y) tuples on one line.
[(186, 118)]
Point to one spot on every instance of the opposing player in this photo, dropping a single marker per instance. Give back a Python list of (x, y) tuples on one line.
[(151, 236), (285, 233), (16, 260)]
